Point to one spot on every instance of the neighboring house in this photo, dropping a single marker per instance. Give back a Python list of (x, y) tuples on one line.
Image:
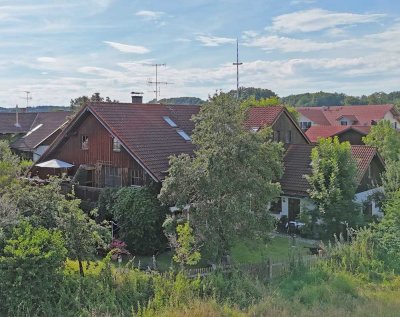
[(30, 133), (44, 129), (295, 186), (285, 128), (348, 115), (122, 144), (353, 134)]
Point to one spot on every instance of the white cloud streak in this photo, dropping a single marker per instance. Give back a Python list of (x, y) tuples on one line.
[(150, 15), (319, 19), (125, 48), (213, 41)]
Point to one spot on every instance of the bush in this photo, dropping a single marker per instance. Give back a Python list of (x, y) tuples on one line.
[(140, 216), (30, 271)]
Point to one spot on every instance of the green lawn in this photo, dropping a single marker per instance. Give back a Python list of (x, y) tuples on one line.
[(277, 249), (247, 251)]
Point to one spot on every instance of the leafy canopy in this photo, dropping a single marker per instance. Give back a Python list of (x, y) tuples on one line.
[(229, 181)]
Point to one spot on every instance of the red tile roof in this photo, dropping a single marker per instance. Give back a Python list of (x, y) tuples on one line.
[(45, 124), (364, 114), (263, 116), (324, 131), (143, 131), (297, 161)]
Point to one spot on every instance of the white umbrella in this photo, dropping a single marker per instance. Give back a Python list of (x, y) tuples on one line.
[(55, 164)]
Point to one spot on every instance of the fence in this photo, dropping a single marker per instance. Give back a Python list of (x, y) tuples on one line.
[(268, 270)]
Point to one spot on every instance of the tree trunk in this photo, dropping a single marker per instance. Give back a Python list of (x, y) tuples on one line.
[(81, 268)]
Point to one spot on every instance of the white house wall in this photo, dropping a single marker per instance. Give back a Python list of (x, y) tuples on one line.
[(365, 196)]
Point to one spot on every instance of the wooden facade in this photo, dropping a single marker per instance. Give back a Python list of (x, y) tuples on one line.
[(96, 163), (286, 131)]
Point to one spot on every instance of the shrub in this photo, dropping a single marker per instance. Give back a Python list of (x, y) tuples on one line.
[(30, 271), (140, 216)]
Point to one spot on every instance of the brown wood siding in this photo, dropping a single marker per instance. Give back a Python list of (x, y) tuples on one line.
[(284, 125), (352, 136), (374, 180), (99, 152)]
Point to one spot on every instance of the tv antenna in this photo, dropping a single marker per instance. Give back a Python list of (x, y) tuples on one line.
[(156, 82), (237, 64), (27, 98)]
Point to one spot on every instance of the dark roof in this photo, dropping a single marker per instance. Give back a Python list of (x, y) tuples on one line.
[(145, 134), (44, 125), (324, 131), (297, 161), (8, 122), (363, 114)]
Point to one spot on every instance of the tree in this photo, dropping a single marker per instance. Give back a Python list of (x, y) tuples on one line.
[(385, 139), (139, 216), (248, 92), (9, 165), (78, 103), (229, 181), (391, 179), (333, 184), (185, 246)]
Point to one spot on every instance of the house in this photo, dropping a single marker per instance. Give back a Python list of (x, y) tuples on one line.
[(30, 133), (122, 144), (129, 144), (285, 128), (366, 115), (44, 129), (353, 133), (297, 162)]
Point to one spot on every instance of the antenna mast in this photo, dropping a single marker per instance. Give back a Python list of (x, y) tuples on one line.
[(27, 98), (237, 64), (156, 82)]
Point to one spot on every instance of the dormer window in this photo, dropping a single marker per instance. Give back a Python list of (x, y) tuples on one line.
[(116, 145), (343, 122), (84, 142)]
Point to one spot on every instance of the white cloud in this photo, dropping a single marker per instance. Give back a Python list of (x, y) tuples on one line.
[(46, 59), (125, 48), (288, 45), (214, 40), (150, 15), (319, 19)]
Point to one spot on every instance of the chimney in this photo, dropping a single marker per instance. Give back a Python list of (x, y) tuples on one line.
[(16, 117), (137, 97)]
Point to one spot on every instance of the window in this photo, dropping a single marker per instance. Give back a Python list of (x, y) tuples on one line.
[(289, 136), (170, 122), (305, 125), (183, 135), (137, 177), (394, 125), (113, 176), (277, 136), (116, 145), (254, 129), (84, 142), (343, 122), (276, 206)]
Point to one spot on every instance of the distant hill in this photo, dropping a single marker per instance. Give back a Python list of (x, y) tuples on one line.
[(339, 99), (44, 108), (257, 93), (180, 101)]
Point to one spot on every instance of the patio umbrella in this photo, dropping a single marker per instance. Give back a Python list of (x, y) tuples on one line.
[(55, 164)]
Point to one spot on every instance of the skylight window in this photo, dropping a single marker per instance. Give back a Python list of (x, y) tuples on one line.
[(34, 129), (170, 122), (184, 135)]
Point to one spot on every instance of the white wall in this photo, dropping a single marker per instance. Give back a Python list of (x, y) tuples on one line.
[(364, 196), (305, 119), (389, 116)]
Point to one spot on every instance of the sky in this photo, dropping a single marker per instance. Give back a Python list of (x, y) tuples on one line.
[(58, 50)]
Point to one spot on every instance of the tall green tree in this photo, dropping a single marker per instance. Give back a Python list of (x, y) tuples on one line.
[(333, 184), (229, 181), (386, 139), (79, 102)]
